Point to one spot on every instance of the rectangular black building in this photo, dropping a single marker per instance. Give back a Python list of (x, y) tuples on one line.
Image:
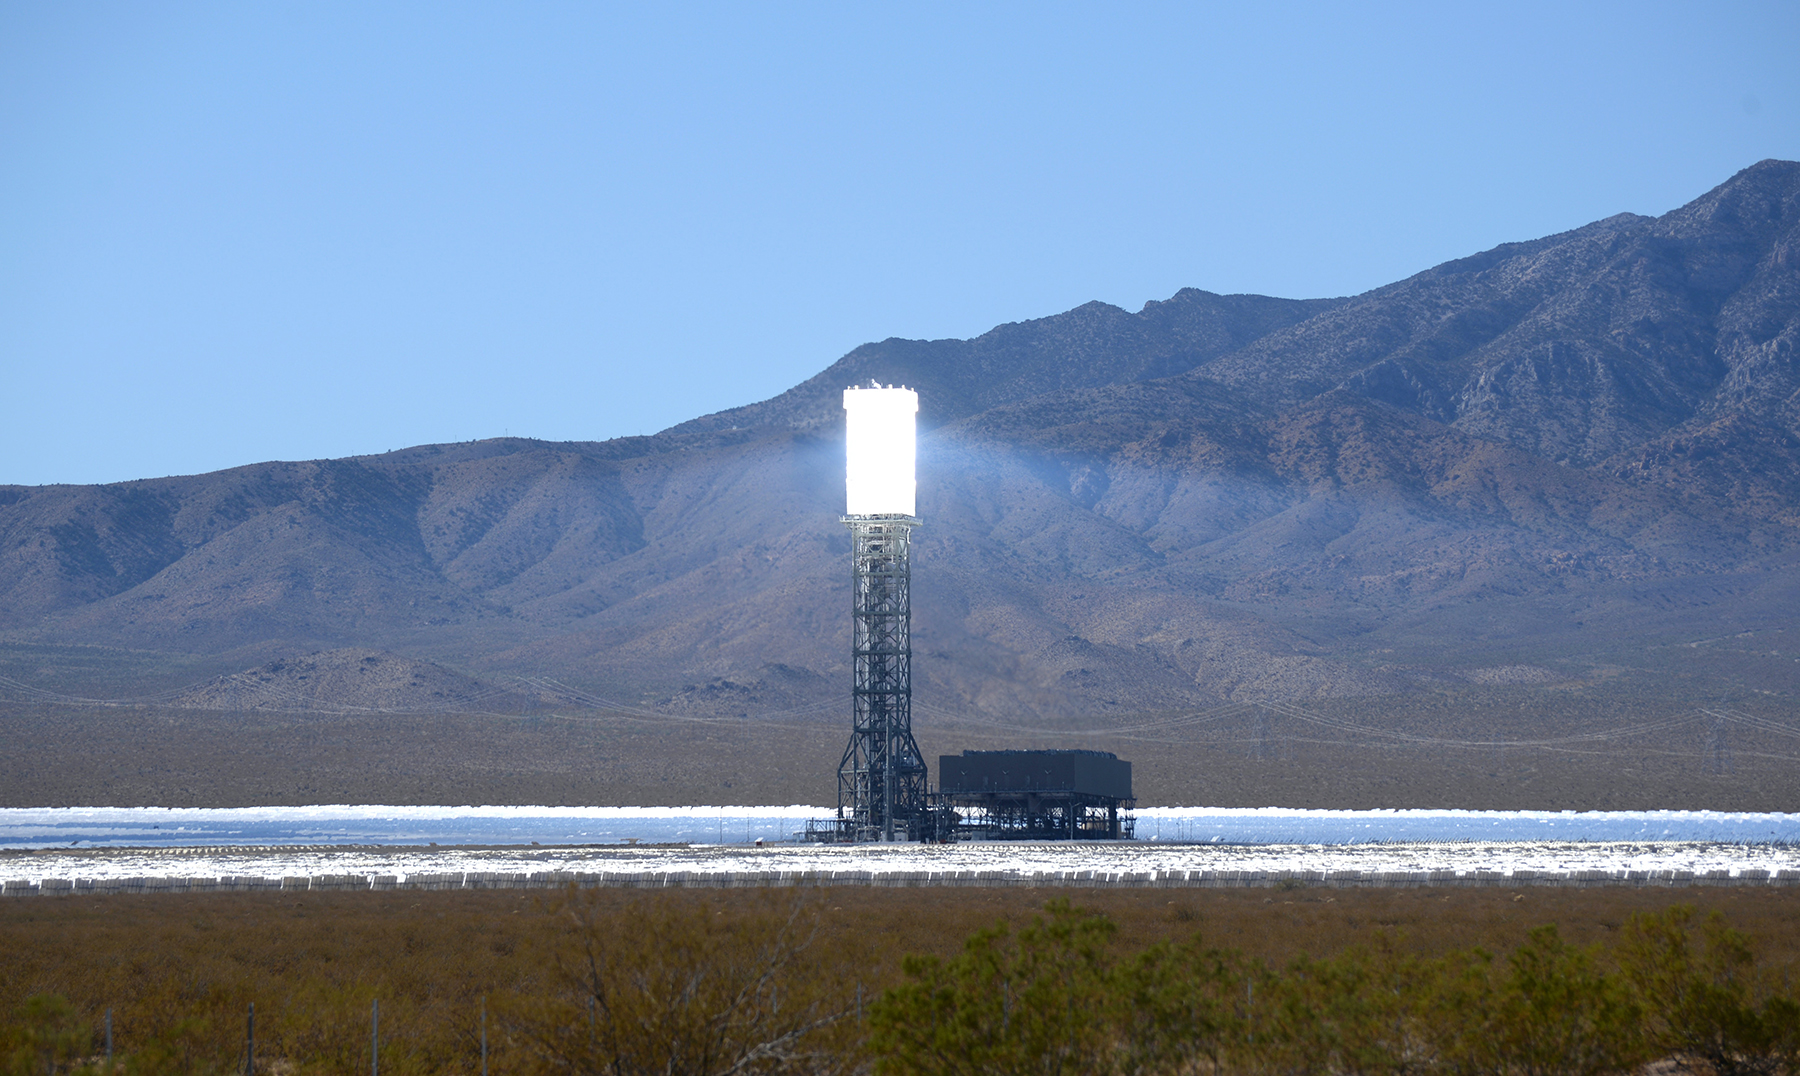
[(1034, 795), (1094, 773)]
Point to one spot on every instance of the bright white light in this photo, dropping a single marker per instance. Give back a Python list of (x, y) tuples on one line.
[(879, 449)]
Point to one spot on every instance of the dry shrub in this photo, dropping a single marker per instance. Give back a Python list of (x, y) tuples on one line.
[(678, 987), (179, 971)]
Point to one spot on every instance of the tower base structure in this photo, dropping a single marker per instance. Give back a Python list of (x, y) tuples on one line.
[(1034, 796), (883, 780)]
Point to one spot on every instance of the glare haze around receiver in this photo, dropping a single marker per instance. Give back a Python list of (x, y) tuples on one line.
[(880, 442)]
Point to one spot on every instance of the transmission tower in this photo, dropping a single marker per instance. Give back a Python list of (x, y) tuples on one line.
[(1717, 749)]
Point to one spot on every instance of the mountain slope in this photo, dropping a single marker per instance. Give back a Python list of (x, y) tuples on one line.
[(1576, 347), (1094, 344), (1559, 459)]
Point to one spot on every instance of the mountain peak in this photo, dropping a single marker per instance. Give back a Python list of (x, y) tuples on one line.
[(1091, 345)]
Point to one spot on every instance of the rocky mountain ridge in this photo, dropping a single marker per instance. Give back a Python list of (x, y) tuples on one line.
[(1576, 455)]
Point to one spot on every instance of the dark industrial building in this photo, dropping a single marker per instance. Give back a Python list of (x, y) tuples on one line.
[(1034, 795)]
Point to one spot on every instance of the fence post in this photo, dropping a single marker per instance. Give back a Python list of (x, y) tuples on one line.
[(484, 1071), (109, 1040), (375, 1037), (249, 1042)]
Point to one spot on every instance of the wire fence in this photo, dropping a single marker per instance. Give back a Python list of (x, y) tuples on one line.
[(1005, 878)]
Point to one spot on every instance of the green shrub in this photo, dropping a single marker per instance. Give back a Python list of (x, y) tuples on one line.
[(1035, 1003), (45, 1035), (1054, 999), (1364, 1010), (1555, 1011), (1175, 1005), (1707, 1000)]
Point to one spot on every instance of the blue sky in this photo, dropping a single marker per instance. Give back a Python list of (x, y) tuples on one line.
[(238, 232)]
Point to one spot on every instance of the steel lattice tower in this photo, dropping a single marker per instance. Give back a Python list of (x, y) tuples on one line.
[(882, 779)]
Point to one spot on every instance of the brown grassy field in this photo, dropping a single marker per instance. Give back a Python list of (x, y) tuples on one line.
[(180, 972)]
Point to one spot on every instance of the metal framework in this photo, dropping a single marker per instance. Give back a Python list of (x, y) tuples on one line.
[(1037, 816), (882, 781), (1042, 795)]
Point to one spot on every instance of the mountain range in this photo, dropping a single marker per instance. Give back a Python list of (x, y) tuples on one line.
[(1568, 466)]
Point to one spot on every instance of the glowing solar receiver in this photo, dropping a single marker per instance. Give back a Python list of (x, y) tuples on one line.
[(880, 445)]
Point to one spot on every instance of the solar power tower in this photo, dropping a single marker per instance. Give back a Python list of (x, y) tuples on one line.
[(882, 779)]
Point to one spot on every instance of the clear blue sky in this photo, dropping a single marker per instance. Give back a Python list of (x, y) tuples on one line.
[(250, 231)]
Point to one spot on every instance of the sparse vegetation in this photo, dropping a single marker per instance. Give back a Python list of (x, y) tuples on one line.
[(64, 756), (932, 982)]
